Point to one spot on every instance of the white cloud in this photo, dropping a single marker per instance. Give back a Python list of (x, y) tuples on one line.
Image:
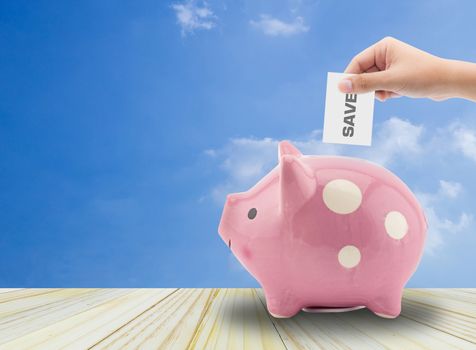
[(395, 138), (274, 27), (244, 161), (191, 16), (464, 140), (440, 226), (450, 189)]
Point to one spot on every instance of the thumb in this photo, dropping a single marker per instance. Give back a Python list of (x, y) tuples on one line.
[(365, 82)]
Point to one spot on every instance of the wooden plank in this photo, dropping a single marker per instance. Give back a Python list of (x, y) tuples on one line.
[(22, 316), (236, 319), (466, 290), (459, 325), (440, 300), (449, 310), (433, 295), (16, 305), (8, 290), (170, 324), (362, 329), (222, 319), (404, 333), (459, 293), (24, 293), (87, 328)]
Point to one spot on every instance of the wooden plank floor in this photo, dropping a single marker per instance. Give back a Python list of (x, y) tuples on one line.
[(224, 319)]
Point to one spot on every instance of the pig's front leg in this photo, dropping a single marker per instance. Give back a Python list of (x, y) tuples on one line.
[(281, 303)]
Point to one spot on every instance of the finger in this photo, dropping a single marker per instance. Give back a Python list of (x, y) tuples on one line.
[(365, 82), (361, 62), (372, 69), (380, 95)]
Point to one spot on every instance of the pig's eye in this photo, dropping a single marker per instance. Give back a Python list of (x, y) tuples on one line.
[(252, 213)]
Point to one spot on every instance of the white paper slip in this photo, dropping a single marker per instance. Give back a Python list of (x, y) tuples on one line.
[(348, 117)]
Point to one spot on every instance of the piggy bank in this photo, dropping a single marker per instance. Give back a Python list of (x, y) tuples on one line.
[(326, 233)]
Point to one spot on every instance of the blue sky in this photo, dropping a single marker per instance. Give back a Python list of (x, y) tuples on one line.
[(123, 125)]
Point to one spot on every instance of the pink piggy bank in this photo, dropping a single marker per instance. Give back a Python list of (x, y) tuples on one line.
[(326, 233)]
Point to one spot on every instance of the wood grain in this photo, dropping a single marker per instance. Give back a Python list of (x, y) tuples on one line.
[(224, 319)]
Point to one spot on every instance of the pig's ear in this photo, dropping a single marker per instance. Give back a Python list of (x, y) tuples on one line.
[(285, 147), (297, 183)]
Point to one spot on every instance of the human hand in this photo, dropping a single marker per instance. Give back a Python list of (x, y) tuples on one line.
[(393, 68)]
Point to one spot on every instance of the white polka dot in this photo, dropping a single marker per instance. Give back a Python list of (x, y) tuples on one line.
[(349, 256), (396, 225), (342, 196)]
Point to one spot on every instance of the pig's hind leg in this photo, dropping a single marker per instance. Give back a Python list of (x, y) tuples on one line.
[(387, 305)]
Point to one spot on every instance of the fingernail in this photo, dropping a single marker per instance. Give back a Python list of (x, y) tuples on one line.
[(345, 85)]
